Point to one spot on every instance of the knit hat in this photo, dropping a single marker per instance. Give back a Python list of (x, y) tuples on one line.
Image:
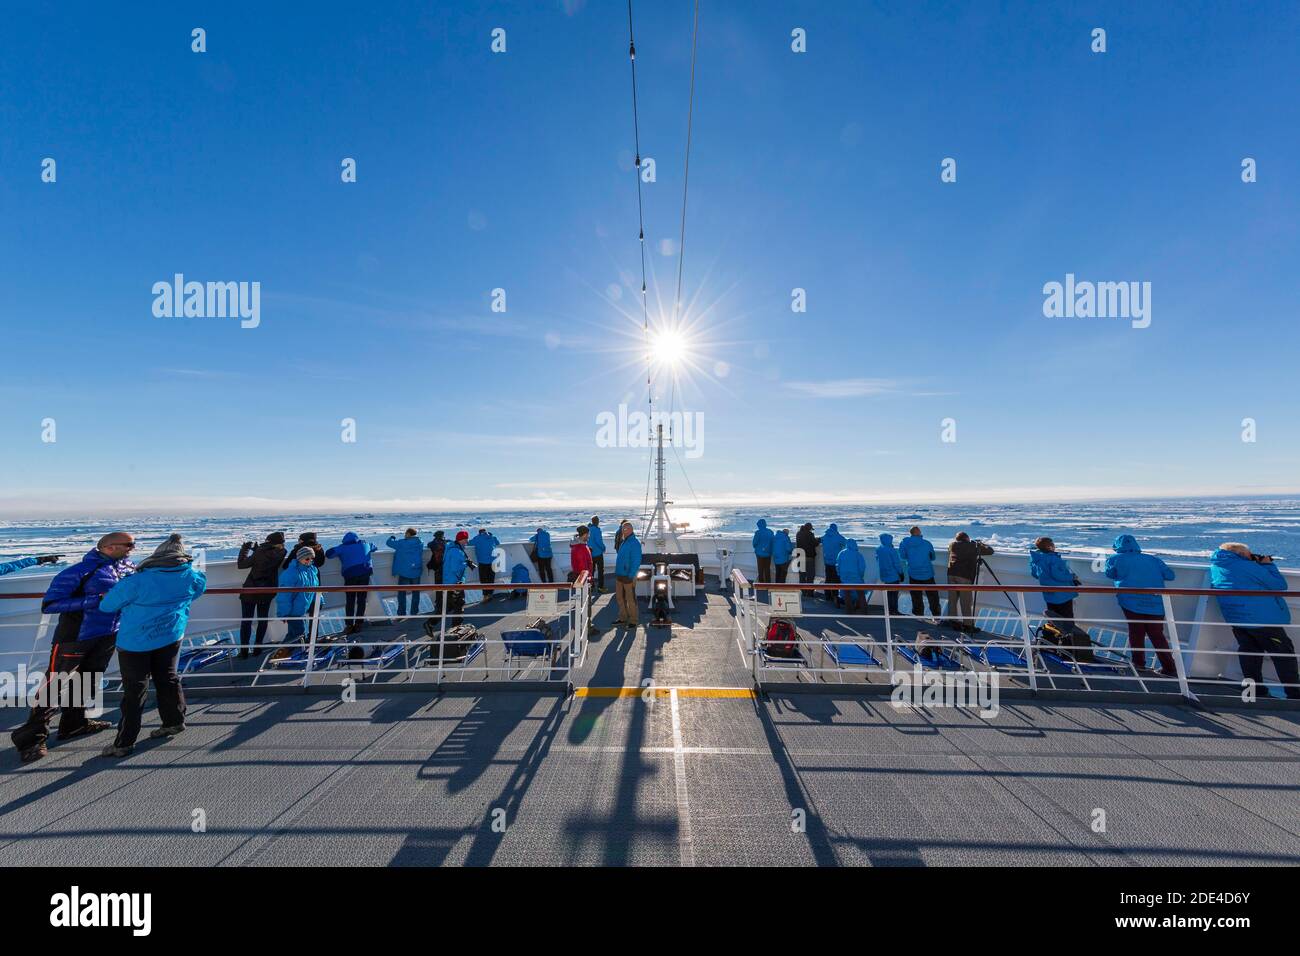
[(275, 537), (170, 554), (462, 535)]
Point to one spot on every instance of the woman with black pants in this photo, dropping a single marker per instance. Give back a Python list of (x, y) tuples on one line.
[(264, 561)]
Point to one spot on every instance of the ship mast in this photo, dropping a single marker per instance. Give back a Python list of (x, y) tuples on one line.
[(659, 519)]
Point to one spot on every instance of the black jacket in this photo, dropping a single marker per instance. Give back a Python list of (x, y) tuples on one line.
[(264, 559), (963, 558), (319, 560), (807, 540)]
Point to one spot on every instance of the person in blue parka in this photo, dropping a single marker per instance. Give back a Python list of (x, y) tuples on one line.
[(9, 567), (832, 545), (154, 604), (626, 566), (890, 567), (763, 539), (919, 556), (782, 551), (296, 605), (596, 541), (851, 567), (484, 544), (455, 565), (1128, 567), (408, 567), (1258, 623), (542, 553), (354, 557), (1050, 570), (83, 640)]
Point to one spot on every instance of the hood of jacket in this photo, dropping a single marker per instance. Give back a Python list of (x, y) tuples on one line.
[(1126, 544)]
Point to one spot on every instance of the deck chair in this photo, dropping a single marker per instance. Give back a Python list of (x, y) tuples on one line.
[(296, 660), (384, 656), (995, 654), (844, 656), (207, 650), (937, 658)]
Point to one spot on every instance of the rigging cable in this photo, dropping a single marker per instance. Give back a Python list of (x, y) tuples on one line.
[(686, 176)]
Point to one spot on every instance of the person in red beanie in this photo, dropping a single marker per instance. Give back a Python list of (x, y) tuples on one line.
[(454, 565)]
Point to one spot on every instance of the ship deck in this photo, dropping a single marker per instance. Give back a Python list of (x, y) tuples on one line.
[(702, 772)]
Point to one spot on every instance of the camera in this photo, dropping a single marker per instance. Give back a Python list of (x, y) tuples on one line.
[(1261, 558)]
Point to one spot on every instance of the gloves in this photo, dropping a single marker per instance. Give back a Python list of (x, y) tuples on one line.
[(48, 558)]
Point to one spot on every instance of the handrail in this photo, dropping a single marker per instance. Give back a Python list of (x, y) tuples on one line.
[(340, 588), (1026, 588)]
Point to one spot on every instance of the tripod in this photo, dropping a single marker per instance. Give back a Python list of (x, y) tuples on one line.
[(980, 565)]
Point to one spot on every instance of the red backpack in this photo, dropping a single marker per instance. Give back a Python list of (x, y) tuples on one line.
[(782, 638)]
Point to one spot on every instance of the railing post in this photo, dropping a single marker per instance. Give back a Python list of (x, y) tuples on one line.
[(311, 644), (889, 635), (442, 633), (1176, 648), (1029, 648)]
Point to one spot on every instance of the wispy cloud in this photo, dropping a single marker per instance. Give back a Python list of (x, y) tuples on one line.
[(843, 387), (856, 388)]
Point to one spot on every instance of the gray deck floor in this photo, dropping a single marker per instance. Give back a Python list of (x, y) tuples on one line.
[(420, 779)]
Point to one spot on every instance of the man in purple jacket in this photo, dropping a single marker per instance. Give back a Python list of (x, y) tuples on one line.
[(83, 641)]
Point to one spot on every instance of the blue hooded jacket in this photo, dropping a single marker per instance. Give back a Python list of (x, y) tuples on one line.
[(595, 540), (851, 563), (454, 563), (354, 555), (1128, 567), (154, 605), (629, 558), (919, 555), (9, 567), (832, 544), (1232, 572), (101, 574), (408, 557), (483, 545), (296, 576), (543, 541), (1049, 568), (782, 548), (888, 561), (763, 540)]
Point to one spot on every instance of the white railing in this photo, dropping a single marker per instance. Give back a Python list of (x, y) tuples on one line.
[(324, 654), (1011, 643)]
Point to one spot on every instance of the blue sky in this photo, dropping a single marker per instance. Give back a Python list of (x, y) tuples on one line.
[(479, 171)]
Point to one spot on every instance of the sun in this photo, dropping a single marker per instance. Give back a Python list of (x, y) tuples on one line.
[(669, 348)]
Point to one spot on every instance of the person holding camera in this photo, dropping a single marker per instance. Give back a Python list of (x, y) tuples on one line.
[(1258, 623), (1049, 569), (9, 567), (963, 568), (263, 561)]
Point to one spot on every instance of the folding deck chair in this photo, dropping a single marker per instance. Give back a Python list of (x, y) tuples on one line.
[(206, 650)]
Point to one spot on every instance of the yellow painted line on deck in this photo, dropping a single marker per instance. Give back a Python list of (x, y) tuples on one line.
[(716, 693)]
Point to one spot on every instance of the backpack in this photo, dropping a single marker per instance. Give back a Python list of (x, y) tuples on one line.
[(1072, 640), (457, 641), (783, 639)]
